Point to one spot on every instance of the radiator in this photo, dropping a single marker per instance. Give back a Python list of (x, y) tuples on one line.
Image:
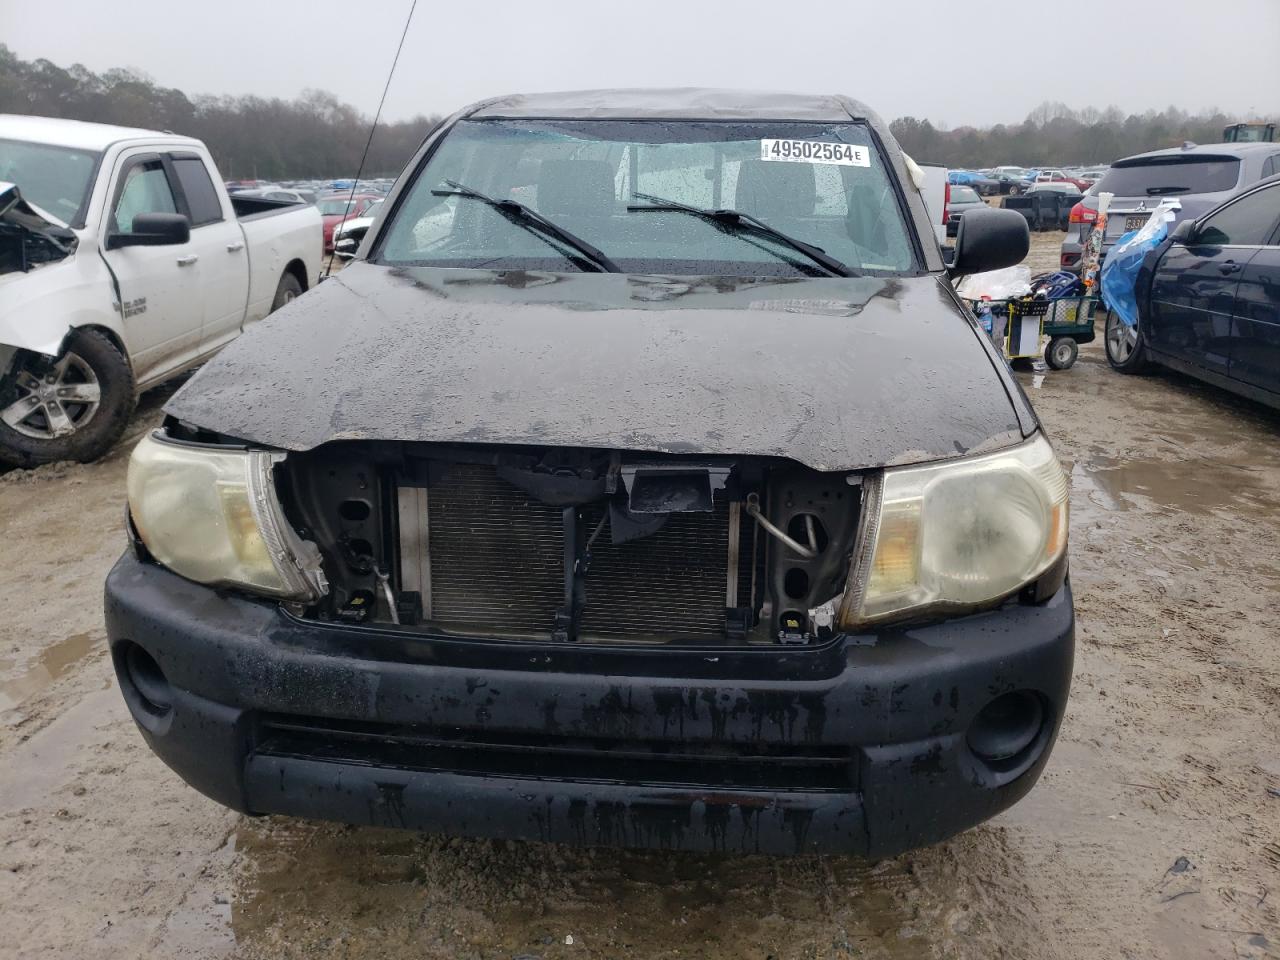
[(489, 560)]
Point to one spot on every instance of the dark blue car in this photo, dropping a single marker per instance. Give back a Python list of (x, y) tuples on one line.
[(1209, 299)]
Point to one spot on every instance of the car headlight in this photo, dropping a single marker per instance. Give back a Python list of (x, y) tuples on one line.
[(957, 535), (211, 514)]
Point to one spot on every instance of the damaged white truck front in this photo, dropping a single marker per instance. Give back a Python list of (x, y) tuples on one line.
[(123, 263)]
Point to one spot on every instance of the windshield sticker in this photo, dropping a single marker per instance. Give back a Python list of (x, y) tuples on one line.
[(813, 151)]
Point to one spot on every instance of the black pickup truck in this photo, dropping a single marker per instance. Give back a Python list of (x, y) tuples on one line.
[(642, 481)]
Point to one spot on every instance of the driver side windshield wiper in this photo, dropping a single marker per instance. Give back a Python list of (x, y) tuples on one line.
[(736, 220), (530, 219)]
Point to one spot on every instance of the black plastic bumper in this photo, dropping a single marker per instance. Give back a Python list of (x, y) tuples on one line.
[(246, 699)]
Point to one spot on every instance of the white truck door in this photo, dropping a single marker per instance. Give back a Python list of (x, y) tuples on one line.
[(159, 287), (218, 241)]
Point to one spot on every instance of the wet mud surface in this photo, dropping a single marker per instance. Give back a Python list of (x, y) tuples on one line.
[(1154, 833)]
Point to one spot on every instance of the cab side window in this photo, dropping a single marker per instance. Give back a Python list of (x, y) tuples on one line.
[(1247, 222), (202, 199), (146, 190)]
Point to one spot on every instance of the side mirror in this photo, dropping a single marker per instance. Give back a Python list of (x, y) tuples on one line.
[(989, 240), (1184, 232), (346, 248), (153, 230)]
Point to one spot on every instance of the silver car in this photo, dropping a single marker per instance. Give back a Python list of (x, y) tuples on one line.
[(1200, 177)]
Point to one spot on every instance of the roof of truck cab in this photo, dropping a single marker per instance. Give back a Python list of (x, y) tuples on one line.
[(676, 103), (76, 134)]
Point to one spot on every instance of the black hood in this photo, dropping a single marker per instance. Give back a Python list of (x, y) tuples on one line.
[(838, 373)]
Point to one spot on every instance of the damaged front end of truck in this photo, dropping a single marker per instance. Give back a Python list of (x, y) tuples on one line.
[(576, 510), (707, 637), (29, 238)]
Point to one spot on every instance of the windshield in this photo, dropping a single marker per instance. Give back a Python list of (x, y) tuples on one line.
[(964, 195), (55, 179), (823, 184), (1171, 176)]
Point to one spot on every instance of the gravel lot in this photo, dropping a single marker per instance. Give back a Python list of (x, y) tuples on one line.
[(1155, 831)]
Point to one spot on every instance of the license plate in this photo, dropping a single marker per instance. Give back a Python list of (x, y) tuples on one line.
[(1135, 222)]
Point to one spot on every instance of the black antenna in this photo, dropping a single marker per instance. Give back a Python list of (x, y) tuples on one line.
[(364, 156)]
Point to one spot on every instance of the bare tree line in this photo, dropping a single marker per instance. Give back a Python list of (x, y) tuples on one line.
[(317, 135), (1054, 134)]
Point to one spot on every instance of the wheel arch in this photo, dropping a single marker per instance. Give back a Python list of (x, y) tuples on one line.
[(299, 270), (114, 336)]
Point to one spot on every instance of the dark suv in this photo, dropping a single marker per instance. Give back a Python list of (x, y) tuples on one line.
[(642, 481), (1199, 177)]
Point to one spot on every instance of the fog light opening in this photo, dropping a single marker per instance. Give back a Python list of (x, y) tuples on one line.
[(149, 681), (1006, 728)]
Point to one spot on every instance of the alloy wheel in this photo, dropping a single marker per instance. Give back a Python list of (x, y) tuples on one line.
[(55, 402), (1121, 339)]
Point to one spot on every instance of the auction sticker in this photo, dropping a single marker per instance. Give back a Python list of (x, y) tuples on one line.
[(815, 151)]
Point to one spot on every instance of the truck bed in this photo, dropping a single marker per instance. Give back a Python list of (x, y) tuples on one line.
[(256, 208)]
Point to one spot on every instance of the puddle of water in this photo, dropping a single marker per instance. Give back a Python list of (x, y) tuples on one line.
[(52, 663), (1197, 487)]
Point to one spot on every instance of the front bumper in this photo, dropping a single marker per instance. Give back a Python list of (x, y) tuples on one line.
[(586, 744)]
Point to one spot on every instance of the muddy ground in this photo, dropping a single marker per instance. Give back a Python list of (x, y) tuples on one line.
[(1155, 831)]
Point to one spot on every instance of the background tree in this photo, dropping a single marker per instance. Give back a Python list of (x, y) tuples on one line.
[(317, 135)]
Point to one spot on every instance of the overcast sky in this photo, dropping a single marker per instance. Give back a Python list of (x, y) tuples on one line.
[(957, 62)]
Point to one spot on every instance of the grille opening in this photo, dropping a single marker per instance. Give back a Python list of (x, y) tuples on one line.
[(576, 758), (495, 558), (552, 544)]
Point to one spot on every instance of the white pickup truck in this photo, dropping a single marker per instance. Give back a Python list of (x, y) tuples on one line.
[(123, 262)]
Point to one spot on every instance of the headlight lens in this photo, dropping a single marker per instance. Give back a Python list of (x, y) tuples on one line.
[(959, 534), (211, 515)]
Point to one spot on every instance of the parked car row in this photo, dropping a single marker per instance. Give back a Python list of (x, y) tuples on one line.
[(1005, 180), (338, 200)]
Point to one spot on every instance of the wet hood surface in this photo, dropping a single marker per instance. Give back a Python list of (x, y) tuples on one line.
[(838, 373)]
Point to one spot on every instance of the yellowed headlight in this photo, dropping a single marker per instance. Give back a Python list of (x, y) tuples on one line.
[(960, 534), (211, 515)]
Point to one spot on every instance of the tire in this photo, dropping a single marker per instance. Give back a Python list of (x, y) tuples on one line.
[(1125, 349), (83, 428), (287, 289), (1015, 191), (1061, 353)]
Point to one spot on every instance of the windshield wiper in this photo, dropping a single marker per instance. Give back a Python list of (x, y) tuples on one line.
[(530, 219), (737, 220), (1157, 191)]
